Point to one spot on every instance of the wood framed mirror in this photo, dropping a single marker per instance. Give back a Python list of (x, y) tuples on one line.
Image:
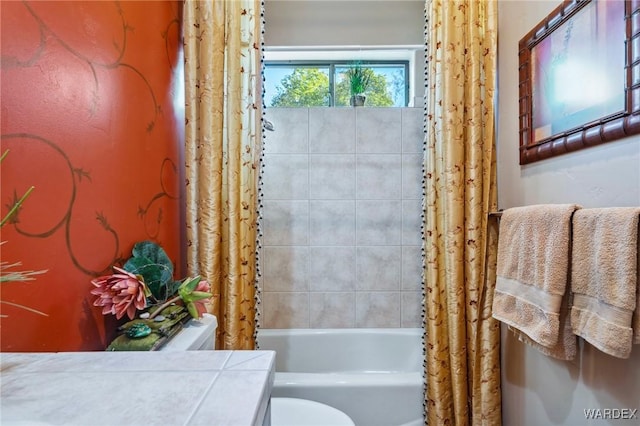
[(579, 78)]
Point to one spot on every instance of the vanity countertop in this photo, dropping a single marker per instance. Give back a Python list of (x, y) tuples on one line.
[(230, 388)]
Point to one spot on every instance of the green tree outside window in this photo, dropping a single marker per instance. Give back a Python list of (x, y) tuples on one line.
[(305, 87), (309, 87)]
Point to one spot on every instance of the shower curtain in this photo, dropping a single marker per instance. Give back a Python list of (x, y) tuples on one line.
[(222, 49), (462, 340)]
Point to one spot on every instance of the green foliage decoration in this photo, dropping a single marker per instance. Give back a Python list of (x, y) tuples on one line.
[(151, 262), (378, 94), (359, 78)]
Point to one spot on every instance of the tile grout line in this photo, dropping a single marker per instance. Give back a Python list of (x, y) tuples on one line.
[(206, 392)]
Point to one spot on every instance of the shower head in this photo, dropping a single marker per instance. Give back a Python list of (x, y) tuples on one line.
[(268, 125)]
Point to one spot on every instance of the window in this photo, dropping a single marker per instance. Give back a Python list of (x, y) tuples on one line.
[(323, 83)]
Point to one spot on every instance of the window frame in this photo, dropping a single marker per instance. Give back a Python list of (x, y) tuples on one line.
[(331, 64)]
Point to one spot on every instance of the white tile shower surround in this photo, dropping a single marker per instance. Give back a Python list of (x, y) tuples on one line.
[(341, 218)]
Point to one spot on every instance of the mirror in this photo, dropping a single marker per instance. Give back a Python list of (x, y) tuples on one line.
[(579, 78)]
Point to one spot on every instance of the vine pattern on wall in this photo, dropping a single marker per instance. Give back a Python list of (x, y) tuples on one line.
[(152, 226), (44, 30), (77, 175)]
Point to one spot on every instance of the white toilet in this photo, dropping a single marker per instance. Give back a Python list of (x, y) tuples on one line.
[(200, 335), (302, 412)]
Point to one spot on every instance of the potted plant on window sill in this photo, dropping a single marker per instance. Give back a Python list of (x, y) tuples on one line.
[(359, 79)]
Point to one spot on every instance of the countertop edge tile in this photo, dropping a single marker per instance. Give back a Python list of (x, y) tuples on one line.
[(249, 378)]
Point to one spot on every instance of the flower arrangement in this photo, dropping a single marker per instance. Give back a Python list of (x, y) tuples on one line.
[(144, 290), (145, 283)]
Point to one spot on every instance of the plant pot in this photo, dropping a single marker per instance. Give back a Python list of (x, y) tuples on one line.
[(357, 100)]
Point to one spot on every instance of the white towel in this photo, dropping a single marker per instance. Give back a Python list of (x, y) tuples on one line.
[(604, 277), (533, 266), (566, 347), (636, 315)]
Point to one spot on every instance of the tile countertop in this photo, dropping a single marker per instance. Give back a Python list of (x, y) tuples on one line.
[(229, 388)]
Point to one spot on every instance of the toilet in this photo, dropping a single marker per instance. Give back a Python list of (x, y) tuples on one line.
[(199, 335), (302, 412), (195, 335)]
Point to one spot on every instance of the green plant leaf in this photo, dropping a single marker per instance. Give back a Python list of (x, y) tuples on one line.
[(174, 286), (191, 307), (359, 78), (151, 261), (187, 287), (155, 276), (153, 252), (199, 295)]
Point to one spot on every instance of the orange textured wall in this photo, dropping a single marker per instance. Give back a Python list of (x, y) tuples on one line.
[(91, 115)]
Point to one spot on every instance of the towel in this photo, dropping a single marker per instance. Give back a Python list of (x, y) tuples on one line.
[(636, 314), (533, 270), (566, 348), (604, 277)]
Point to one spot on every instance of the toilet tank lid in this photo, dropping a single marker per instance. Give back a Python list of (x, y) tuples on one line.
[(193, 334)]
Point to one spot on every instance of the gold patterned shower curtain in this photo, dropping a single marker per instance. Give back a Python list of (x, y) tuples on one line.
[(462, 339), (222, 143)]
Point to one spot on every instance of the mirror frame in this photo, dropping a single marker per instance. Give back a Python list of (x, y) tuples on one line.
[(612, 127)]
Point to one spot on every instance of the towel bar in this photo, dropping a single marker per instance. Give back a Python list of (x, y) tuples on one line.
[(497, 214)]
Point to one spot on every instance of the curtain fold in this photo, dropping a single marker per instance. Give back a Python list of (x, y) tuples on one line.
[(462, 340), (222, 40)]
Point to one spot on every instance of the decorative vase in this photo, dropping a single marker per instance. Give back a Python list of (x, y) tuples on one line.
[(358, 100)]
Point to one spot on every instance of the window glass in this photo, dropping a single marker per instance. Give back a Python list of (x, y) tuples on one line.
[(387, 86), (296, 86), (326, 84)]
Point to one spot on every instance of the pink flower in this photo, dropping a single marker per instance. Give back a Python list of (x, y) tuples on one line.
[(119, 293), (201, 305)]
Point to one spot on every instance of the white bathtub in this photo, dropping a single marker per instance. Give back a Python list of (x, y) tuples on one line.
[(373, 375)]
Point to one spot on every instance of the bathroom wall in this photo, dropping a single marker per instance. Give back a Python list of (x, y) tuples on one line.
[(536, 389), (92, 115), (341, 218), (353, 25), (344, 22)]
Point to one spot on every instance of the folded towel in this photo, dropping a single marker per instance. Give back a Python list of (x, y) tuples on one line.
[(604, 277), (533, 268)]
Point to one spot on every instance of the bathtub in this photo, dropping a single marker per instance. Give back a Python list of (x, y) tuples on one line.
[(373, 375)]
